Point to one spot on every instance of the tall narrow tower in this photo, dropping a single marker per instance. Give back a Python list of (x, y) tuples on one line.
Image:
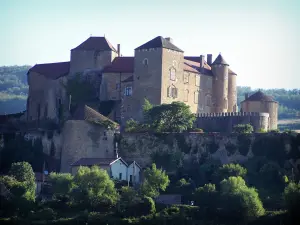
[(220, 85)]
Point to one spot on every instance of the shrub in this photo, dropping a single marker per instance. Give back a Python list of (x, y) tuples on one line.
[(239, 200), (292, 199), (206, 197), (243, 129), (229, 170)]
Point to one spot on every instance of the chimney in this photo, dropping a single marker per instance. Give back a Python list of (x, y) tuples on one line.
[(169, 39), (119, 51), (209, 59), (202, 63), (246, 96)]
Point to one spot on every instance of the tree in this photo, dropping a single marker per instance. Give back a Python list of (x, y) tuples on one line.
[(93, 187), (62, 184), (174, 117), (243, 129), (229, 170), (155, 180), (206, 197), (240, 200), (292, 199), (23, 173)]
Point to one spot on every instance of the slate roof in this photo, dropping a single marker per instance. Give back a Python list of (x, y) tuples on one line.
[(259, 96), (159, 42), (120, 65), (129, 79), (84, 112), (220, 60), (96, 43), (97, 161), (51, 70)]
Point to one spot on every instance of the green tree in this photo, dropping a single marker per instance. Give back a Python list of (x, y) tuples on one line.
[(174, 117), (23, 173), (243, 129), (155, 180), (231, 170), (62, 184), (94, 187), (292, 199), (206, 197), (240, 200)]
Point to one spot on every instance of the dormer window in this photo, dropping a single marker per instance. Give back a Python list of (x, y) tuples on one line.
[(145, 62), (172, 74), (128, 91)]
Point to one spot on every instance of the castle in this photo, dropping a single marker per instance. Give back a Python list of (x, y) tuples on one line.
[(160, 72)]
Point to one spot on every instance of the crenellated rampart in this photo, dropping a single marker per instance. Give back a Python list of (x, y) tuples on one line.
[(224, 122)]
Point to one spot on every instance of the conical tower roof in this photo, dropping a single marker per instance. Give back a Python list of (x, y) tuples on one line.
[(220, 61)]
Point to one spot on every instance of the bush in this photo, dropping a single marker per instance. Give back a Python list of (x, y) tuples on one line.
[(292, 199), (229, 170), (206, 197), (243, 129), (239, 200)]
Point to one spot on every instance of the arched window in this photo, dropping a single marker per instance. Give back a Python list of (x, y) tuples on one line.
[(172, 91), (172, 74), (196, 97), (186, 77), (145, 62), (186, 95)]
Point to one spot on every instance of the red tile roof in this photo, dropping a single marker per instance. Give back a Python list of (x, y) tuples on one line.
[(121, 65), (52, 70), (194, 67), (96, 43), (259, 96)]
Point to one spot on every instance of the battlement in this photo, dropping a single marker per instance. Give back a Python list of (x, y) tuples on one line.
[(228, 114), (224, 122)]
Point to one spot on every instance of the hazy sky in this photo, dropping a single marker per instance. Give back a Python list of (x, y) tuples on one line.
[(258, 38)]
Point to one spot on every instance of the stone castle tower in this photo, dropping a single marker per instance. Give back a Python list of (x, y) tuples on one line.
[(224, 98)]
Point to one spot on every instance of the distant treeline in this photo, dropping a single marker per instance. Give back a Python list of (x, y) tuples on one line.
[(14, 88)]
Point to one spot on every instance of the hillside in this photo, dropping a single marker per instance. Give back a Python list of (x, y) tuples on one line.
[(13, 93)]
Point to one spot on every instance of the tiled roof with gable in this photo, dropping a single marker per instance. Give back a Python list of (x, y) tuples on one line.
[(159, 42), (192, 66), (220, 60), (52, 70), (97, 161), (121, 65), (96, 43), (84, 112), (259, 96)]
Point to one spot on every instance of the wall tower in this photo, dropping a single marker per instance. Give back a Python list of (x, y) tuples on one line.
[(220, 85)]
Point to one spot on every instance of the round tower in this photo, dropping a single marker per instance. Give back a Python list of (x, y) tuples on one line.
[(220, 85), (259, 102), (232, 92)]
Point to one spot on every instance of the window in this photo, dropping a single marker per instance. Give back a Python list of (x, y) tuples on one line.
[(46, 111), (172, 74), (197, 80), (120, 176), (174, 63), (128, 91), (145, 62), (208, 100), (186, 95), (172, 92), (196, 97), (130, 178), (186, 77)]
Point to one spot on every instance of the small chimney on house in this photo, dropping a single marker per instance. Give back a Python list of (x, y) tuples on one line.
[(119, 50), (202, 63), (209, 59), (246, 96), (169, 39)]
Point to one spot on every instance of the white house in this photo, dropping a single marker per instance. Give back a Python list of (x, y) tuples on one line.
[(134, 172), (116, 168)]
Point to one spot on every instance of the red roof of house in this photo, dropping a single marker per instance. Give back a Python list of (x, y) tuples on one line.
[(96, 43), (52, 70), (193, 66), (121, 65)]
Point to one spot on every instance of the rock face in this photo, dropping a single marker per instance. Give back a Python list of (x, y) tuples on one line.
[(170, 150)]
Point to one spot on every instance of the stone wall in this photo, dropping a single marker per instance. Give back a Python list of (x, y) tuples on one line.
[(172, 150), (224, 122)]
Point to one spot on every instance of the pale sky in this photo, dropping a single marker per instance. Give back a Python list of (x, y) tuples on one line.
[(258, 38)]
